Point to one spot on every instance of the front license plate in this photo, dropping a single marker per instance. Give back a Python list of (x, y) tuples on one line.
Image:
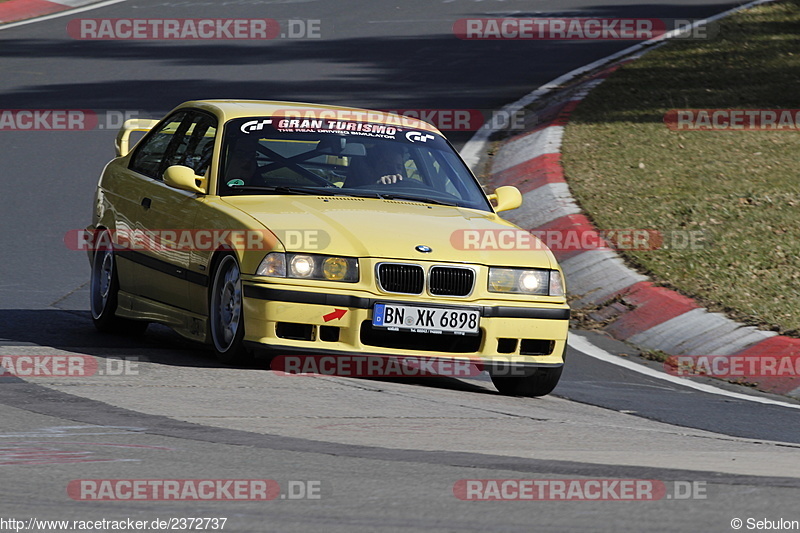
[(448, 320)]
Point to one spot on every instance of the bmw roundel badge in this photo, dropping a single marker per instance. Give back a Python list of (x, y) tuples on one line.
[(424, 249)]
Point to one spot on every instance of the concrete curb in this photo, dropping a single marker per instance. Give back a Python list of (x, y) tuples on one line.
[(638, 311), (16, 10)]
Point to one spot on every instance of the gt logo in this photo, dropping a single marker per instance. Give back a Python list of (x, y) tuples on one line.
[(415, 136), (254, 125)]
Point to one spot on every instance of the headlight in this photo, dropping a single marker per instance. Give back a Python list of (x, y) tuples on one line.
[(301, 266), (526, 281), (502, 280), (533, 281), (335, 268), (309, 266)]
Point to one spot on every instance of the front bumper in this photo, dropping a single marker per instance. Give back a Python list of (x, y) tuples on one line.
[(292, 319)]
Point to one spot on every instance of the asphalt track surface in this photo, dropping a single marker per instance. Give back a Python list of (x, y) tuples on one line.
[(386, 453)]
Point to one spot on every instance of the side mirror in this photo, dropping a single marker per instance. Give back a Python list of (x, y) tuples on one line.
[(507, 198), (184, 178)]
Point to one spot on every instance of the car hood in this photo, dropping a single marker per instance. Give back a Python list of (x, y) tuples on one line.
[(367, 227)]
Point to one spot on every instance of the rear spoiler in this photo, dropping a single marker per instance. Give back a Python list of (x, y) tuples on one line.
[(122, 142)]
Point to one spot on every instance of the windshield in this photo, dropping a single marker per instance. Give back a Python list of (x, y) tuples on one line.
[(263, 155)]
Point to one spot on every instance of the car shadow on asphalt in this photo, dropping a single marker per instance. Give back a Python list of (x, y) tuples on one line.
[(73, 331)]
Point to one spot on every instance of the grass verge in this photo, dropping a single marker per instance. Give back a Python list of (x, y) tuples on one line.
[(741, 189)]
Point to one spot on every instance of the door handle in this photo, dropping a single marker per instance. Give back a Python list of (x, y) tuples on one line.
[(146, 202)]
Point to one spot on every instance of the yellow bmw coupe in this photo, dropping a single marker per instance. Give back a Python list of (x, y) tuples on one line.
[(311, 229)]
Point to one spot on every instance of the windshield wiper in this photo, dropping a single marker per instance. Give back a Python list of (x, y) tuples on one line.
[(283, 189), (369, 194), (392, 196), (324, 191)]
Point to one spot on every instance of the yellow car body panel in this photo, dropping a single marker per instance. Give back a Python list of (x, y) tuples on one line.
[(172, 287)]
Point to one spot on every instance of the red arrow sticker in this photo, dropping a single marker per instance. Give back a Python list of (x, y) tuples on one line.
[(335, 315)]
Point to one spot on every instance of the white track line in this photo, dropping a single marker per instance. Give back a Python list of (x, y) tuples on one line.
[(60, 14), (584, 346)]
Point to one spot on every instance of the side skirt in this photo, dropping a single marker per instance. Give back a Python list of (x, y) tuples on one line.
[(185, 323)]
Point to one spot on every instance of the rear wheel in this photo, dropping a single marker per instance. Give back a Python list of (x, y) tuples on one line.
[(226, 319), (540, 383), (104, 289)]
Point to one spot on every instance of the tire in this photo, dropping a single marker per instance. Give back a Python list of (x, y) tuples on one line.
[(540, 383), (103, 292), (225, 312)]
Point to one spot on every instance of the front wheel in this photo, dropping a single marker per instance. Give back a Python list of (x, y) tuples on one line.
[(226, 319), (103, 292), (540, 383)]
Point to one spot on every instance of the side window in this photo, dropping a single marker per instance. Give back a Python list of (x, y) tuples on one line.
[(198, 147), (184, 139), (150, 154)]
